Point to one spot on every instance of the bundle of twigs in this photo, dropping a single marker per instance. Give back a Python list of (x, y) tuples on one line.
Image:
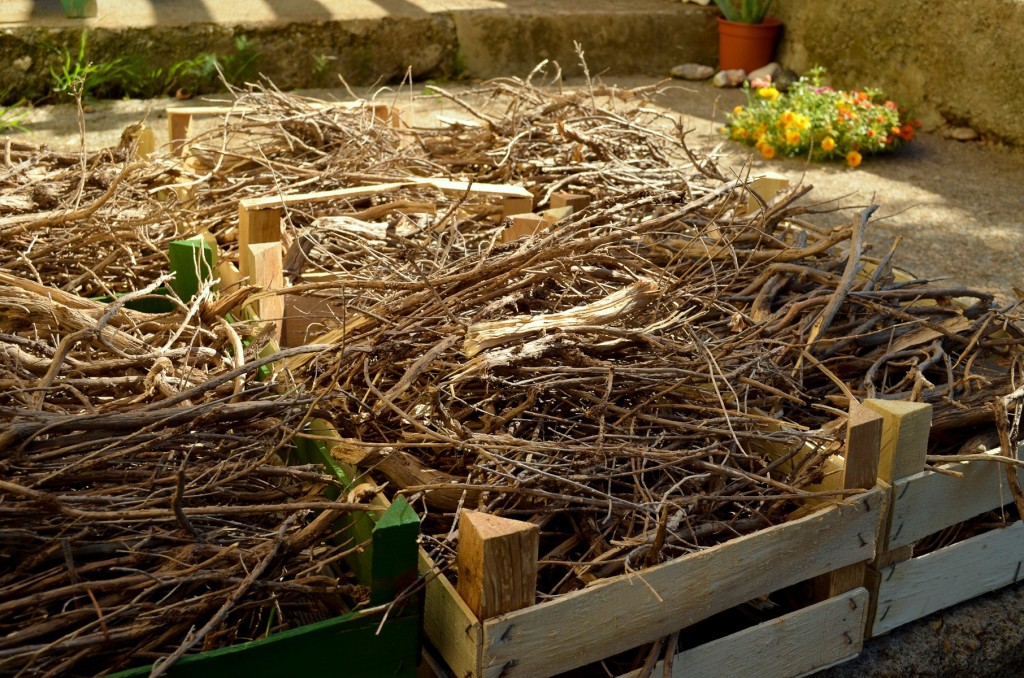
[(145, 511), (620, 378)]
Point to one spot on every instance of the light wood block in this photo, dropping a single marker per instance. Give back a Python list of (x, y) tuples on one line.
[(256, 225), (934, 581), (453, 629), (497, 560), (265, 266), (905, 427), (523, 225), (511, 205), (809, 639), (577, 201), (636, 608), (179, 127), (767, 186), (307, 317), (927, 502), (553, 215)]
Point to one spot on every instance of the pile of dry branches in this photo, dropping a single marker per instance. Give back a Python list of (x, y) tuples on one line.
[(145, 511), (654, 374)]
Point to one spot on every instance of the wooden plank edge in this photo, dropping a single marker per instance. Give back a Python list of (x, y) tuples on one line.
[(927, 502), (680, 592), (932, 582), (796, 644)]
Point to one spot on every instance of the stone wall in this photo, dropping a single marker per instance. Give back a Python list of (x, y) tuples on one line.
[(953, 62)]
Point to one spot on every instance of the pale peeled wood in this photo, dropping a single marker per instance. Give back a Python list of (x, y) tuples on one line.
[(265, 264), (927, 502), (497, 560), (445, 185), (805, 640), (622, 612), (473, 187), (256, 226), (322, 196), (484, 335), (937, 580)]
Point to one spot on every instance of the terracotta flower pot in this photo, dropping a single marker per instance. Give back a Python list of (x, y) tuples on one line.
[(746, 46)]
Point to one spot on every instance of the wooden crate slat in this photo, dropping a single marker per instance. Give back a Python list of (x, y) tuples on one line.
[(636, 608), (915, 588), (805, 640), (927, 502), (449, 624)]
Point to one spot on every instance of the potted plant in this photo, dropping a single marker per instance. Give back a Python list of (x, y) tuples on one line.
[(746, 34)]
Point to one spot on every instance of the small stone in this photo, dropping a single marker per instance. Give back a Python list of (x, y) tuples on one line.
[(23, 64), (963, 134), (733, 78), (770, 73), (785, 79), (692, 71)]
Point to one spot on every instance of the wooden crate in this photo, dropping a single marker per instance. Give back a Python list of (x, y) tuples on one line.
[(620, 613), (905, 588)]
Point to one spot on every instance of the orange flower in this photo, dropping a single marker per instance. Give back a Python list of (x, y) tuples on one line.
[(870, 133), (792, 137), (853, 158), (828, 144), (906, 132), (768, 151)]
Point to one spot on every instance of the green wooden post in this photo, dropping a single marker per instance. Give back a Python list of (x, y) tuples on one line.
[(394, 552), (192, 262)]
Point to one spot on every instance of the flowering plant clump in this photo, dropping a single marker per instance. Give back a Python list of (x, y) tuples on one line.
[(820, 122)]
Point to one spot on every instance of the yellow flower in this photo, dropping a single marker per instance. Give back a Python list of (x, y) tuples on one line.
[(828, 144), (792, 137), (768, 151), (786, 119), (768, 93), (853, 158), (801, 121), (737, 110)]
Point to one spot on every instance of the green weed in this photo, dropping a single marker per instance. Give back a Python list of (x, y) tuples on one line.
[(77, 73), (132, 75), (12, 117)]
